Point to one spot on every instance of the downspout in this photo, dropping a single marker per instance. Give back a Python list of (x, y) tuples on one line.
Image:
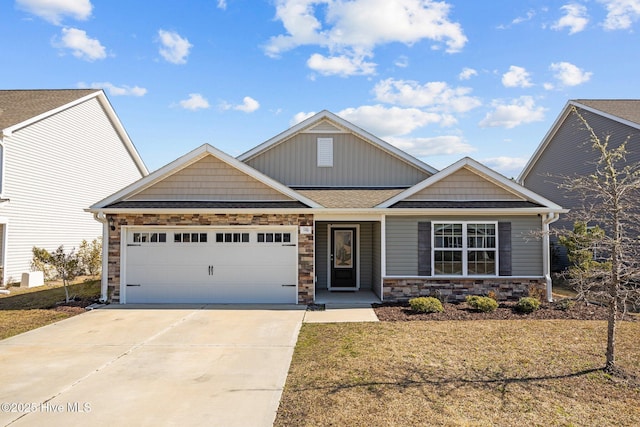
[(546, 255), (383, 254), (104, 280)]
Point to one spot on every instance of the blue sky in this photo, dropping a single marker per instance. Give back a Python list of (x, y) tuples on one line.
[(440, 80)]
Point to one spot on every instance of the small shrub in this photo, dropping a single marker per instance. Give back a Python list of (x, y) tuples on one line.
[(484, 304), (565, 304), (537, 292), (493, 295), (426, 305), (90, 256), (441, 296), (41, 261), (527, 305)]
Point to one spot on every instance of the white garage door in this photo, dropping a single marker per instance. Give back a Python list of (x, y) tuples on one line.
[(211, 266)]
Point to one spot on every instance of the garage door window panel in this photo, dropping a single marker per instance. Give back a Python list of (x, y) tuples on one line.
[(190, 237), (232, 237), (149, 237), (274, 237)]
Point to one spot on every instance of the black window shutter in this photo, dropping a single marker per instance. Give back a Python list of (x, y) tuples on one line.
[(504, 251), (424, 249)]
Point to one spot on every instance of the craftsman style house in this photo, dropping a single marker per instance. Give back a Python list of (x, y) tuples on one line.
[(323, 207), (59, 151)]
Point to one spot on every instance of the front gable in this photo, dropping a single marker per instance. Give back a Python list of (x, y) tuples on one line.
[(468, 184), (464, 184), (205, 178), (209, 179), (326, 151)]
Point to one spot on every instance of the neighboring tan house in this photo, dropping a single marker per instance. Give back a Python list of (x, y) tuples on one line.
[(324, 206), (566, 151), (60, 151)]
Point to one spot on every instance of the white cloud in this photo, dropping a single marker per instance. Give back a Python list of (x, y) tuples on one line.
[(116, 90), (55, 10), (194, 102), (393, 121), (439, 145), (514, 113), (467, 73), (620, 13), (402, 61), (175, 48), (354, 28), (249, 105), (81, 45), (569, 74), (506, 165), (340, 65), (519, 20), (300, 117), (575, 18), (528, 17), (516, 77), (438, 96), (222, 4)]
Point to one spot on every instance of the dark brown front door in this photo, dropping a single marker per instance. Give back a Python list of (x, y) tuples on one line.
[(343, 258)]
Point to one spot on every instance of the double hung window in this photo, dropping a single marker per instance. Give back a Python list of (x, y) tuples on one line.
[(465, 249)]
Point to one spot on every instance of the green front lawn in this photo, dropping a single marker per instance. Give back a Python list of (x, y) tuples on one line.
[(26, 309), (459, 373)]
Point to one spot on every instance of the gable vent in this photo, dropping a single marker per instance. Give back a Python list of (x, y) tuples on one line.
[(325, 152), (324, 127)]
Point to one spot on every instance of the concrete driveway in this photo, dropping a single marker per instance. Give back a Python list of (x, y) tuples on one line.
[(150, 366)]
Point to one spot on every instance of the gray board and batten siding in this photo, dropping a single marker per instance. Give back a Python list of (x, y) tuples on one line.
[(402, 243), (569, 153), (356, 163)]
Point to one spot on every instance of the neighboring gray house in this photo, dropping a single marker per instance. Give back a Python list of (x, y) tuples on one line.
[(60, 150), (566, 151), (323, 207)]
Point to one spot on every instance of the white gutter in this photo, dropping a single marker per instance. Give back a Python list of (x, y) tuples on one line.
[(336, 211), (104, 279), (546, 255)]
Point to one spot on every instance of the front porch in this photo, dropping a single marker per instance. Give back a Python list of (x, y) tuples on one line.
[(348, 264), (362, 298)]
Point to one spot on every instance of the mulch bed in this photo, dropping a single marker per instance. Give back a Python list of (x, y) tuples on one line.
[(75, 306), (402, 312)]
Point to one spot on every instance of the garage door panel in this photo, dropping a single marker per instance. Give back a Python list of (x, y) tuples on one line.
[(211, 271), (210, 293), (253, 276)]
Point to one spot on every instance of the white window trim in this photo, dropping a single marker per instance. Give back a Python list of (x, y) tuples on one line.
[(464, 249)]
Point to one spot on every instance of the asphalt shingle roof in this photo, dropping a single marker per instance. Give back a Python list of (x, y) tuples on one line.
[(465, 204), (16, 106), (350, 198), (627, 109), (186, 204)]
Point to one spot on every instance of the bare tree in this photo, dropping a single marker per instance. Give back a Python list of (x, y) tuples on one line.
[(610, 196)]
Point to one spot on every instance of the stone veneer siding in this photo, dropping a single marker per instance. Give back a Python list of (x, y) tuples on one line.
[(305, 241), (399, 289)]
